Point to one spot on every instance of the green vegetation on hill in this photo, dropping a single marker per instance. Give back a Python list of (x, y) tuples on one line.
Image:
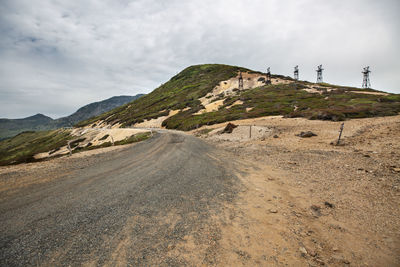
[(24, 146), (183, 91), (284, 99)]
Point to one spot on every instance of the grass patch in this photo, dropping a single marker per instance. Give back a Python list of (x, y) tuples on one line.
[(22, 147)]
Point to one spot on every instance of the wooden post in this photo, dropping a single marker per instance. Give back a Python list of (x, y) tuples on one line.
[(112, 140), (69, 148), (250, 132), (340, 133)]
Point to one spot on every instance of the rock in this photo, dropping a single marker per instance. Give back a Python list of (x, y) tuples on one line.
[(303, 251), (273, 211), (338, 258), (316, 210), (335, 249), (229, 128), (329, 205), (396, 169), (321, 262), (276, 136), (306, 134), (311, 252)]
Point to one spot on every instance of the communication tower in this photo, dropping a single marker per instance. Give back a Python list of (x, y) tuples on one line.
[(319, 74), (268, 81), (296, 72), (366, 83)]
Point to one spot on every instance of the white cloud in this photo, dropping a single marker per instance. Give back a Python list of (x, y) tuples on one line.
[(59, 55)]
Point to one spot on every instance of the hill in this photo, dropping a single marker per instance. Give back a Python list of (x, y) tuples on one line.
[(38, 122), (209, 94), (11, 127)]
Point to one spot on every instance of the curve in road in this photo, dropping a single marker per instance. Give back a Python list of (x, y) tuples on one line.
[(129, 207)]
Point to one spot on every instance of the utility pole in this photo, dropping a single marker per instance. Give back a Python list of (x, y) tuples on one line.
[(240, 81), (366, 83), (319, 74)]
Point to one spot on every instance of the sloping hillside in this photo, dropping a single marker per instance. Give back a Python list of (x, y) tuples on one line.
[(39, 122), (95, 109), (11, 127), (209, 94)]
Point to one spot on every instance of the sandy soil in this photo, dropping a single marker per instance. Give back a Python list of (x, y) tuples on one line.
[(369, 93), (156, 123), (309, 203), (250, 80)]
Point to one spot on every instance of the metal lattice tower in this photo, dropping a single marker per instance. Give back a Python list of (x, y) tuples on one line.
[(296, 72), (366, 83), (268, 80), (240, 81), (319, 74)]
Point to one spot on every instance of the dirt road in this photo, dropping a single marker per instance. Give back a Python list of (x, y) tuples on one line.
[(274, 199), (129, 206)]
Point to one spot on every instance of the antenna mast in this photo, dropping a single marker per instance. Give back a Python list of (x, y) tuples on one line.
[(319, 74), (240, 81), (366, 83), (296, 72), (268, 81)]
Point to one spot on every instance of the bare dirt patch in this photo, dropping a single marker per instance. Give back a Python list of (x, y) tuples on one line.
[(309, 203)]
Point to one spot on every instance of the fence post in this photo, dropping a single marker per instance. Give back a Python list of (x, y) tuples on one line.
[(340, 133), (69, 148), (250, 132), (112, 140)]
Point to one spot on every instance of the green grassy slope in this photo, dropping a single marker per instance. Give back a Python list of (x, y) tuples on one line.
[(282, 100), (24, 146), (184, 90)]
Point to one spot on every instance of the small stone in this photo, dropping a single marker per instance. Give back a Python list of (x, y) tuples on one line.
[(276, 136), (335, 248), (303, 251), (340, 259), (311, 252), (329, 205), (273, 211), (316, 210), (306, 134), (396, 169)]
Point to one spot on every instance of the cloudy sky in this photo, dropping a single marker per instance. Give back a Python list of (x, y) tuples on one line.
[(56, 56)]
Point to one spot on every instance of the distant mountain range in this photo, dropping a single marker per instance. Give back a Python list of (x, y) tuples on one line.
[(38, 122)]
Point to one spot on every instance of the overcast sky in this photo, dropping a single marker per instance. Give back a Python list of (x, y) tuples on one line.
[(56, 56)]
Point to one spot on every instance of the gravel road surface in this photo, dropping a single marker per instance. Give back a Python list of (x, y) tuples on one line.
[(124, 207)]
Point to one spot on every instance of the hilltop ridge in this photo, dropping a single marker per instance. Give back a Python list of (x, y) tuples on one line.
[(208, 94)]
